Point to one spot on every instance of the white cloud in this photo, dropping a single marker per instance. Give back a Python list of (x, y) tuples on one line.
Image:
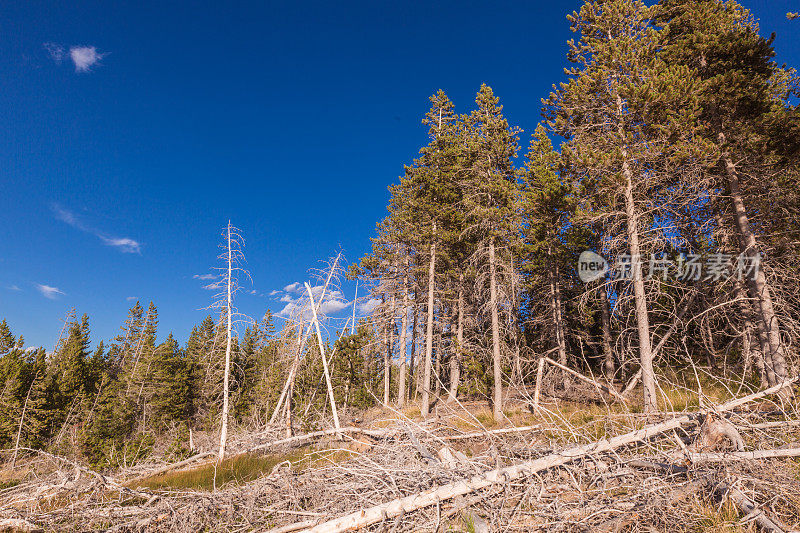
[(56, 51), (131, 298), (294, 287), (13, 288), (332, 306), (365, 308), (253, 291), (49, 292), (85, 57), (334, 302), (125, 245), (203, 277), (273, 293)]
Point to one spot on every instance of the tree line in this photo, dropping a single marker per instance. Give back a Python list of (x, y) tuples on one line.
[(678, 150), (669, 150)]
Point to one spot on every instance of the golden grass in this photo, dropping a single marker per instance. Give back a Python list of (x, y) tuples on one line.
[(238, 469), (722, 518)]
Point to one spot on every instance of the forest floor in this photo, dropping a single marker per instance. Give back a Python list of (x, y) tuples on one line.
[(574, 462)]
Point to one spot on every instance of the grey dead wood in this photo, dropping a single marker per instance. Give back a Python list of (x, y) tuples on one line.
[(434, 496)]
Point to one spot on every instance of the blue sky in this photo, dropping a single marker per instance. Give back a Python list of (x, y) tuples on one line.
[(132, 131)]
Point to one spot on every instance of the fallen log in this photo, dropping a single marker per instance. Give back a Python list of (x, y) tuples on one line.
[(394, 508), (747, 506), (478, 434), (18, 524), (608, 390), (743, 456), (299, 439)]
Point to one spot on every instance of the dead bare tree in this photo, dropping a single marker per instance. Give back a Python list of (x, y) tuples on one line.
[(228, 284)]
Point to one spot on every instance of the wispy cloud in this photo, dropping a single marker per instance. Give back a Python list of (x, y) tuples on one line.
[(203, 277), (132, 298), (49, 292), (125, 245), (367, 307), (85, 57), (13, 288), (55, 51)]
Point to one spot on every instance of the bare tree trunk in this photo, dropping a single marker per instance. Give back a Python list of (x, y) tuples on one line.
[(413, 370), (389, 352), (555, 309), (439, 353), (750, 354), (386, 358), (498, 374), (516, 367), (324, 359), (455, 361), (757, 284), (426, 380), (640, 298), (401, 385), (223, 432), (21, 421), (608, 350)]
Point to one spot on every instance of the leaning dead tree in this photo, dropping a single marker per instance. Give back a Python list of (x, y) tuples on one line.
[(228, 284), (308, 314)]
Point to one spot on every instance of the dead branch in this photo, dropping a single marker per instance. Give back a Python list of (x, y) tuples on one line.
[(394, 508)]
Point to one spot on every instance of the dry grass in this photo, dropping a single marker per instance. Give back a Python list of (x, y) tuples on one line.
[(237, 470)]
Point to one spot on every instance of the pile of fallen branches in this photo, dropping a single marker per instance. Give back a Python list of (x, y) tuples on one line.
[(727, 464)]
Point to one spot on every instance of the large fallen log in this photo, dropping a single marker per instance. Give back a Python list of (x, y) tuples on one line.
[(608, 390), (394, 508), (479, 434), (300, 439), (743, 456)]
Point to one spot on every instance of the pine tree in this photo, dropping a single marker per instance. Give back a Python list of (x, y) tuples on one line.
[(490, 200), (631, 122), (739, 86), (546, 206)]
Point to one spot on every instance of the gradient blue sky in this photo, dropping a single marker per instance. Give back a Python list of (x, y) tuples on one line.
[(289, 118)]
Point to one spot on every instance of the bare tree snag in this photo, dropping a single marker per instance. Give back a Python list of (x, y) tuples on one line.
[(324, 360), (455, 361), (394, 508), (496, 361), (21, 421), (301, 344), (426, 380), (223, 432), (401, 385), (640, 298), (539, 372), (757, 284)]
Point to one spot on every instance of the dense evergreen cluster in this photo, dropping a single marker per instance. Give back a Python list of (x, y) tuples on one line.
[(678, 146)]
